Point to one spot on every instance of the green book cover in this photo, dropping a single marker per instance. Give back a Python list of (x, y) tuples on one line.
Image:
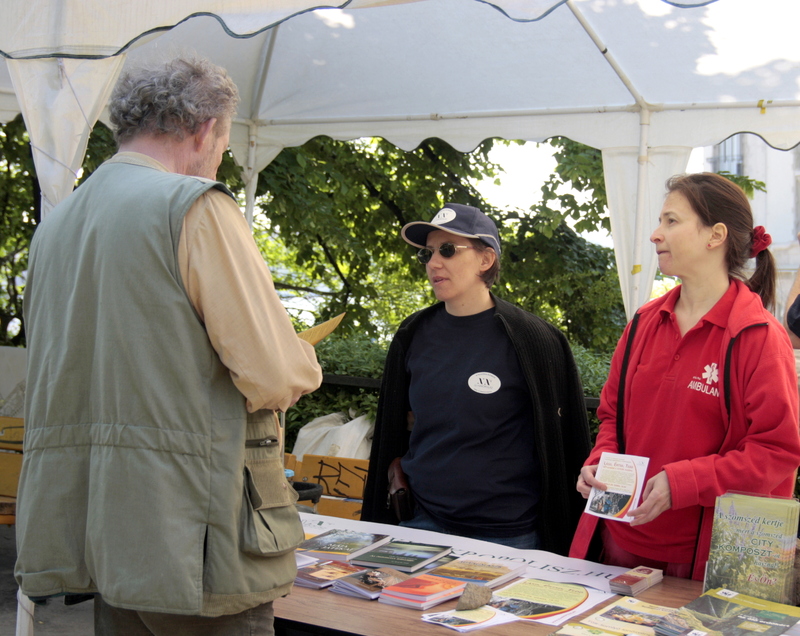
[(342, 545), (752, 546), (722, 612), (406, 556)]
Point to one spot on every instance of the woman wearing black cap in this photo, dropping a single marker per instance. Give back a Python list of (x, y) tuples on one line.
[(481, 400)]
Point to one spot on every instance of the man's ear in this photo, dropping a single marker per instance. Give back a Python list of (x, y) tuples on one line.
[(204, 130)]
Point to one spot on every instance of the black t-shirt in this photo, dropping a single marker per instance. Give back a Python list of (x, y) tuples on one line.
[(793, 317), (471, 460)]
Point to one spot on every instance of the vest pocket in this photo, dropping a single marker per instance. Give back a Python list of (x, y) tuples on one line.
[(269, 523), (267, 485)]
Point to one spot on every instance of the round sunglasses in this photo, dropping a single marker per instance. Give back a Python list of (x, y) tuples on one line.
[(447, 250)]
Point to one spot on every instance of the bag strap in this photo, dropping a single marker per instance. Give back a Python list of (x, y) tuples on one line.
[(621, 389)]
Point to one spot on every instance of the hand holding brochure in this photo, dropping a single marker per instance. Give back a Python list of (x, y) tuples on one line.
[(624, 476)]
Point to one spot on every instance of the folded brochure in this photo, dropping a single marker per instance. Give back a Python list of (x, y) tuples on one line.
[(624, 477)]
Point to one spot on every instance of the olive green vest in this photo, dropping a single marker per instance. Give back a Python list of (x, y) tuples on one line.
[(136, 481)]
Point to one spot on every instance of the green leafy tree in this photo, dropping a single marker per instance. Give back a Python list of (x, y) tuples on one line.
[(19, 211), (338, 207), (329, 218)]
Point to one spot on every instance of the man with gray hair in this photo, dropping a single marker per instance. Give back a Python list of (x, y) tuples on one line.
[(158, 355)]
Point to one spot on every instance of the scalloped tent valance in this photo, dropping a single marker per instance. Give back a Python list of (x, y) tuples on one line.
[(643, 80)]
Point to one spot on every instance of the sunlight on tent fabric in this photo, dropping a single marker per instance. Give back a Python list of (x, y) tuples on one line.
[(653, 8), (334, 18), (739, 47)]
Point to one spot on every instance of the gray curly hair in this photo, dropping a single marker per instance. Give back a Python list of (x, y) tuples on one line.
[(173, 98)]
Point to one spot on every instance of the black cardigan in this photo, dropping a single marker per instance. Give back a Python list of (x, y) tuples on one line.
[(562, 442)]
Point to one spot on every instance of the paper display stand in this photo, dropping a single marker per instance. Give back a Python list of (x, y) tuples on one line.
[(342, 480)]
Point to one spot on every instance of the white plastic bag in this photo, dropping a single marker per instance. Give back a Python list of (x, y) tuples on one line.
[(334, 436)]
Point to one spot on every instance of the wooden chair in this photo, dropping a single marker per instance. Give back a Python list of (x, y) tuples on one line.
[(11, 433)]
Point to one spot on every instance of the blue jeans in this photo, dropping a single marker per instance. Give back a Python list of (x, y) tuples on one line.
[(423, 521)]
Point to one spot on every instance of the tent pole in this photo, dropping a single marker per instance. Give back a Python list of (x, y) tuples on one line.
[(251, 177), (641, 203)]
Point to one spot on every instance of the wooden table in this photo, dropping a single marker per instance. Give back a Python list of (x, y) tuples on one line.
[(322, 612)]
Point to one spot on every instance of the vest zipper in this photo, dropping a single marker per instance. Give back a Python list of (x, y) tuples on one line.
[(267, 442)]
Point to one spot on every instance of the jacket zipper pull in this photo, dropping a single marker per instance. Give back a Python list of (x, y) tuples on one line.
[(261, 443)]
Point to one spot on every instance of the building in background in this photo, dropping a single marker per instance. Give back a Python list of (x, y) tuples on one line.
[(777, 209)]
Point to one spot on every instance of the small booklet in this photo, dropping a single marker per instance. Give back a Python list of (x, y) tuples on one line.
[(636, 580), (342, 545), (406, 556), (369, 583), (726, 612), (481, 571), (323, 574), (422, 591), (624, 476)]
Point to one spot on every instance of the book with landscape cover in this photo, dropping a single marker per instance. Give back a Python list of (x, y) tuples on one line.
[(323, 574), (406, 556), (369, 583), (342, 545), (628, 615), (481, 571), (752, 546), (722, 612), (421, 591)]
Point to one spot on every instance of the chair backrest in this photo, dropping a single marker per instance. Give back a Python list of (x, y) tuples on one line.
[(11, 434)]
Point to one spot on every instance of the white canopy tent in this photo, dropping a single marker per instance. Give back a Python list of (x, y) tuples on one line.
[(643, 80)]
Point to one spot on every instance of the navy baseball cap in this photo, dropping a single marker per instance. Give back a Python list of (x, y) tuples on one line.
[(462, 220)]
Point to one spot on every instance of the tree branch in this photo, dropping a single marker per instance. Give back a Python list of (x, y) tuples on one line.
[(332, 261), (309, 290)]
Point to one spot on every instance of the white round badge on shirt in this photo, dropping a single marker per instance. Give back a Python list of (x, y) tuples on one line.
[(483, 382)]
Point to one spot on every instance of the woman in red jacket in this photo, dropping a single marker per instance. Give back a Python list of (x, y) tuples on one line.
[(702, 382)]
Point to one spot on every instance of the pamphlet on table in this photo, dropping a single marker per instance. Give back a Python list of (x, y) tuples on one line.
[(468, 620), (546, 601)]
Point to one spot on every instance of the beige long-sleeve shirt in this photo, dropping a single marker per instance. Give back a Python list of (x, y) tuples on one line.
[(231, 289)]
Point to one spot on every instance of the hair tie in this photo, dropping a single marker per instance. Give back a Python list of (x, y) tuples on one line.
[(761, 241)]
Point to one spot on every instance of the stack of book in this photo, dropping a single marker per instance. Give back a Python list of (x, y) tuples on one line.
[(405, 556), (368, 584), (342, 545), (422, 591), (726, 612), (636, 580), (481, 571), (323, 574)]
